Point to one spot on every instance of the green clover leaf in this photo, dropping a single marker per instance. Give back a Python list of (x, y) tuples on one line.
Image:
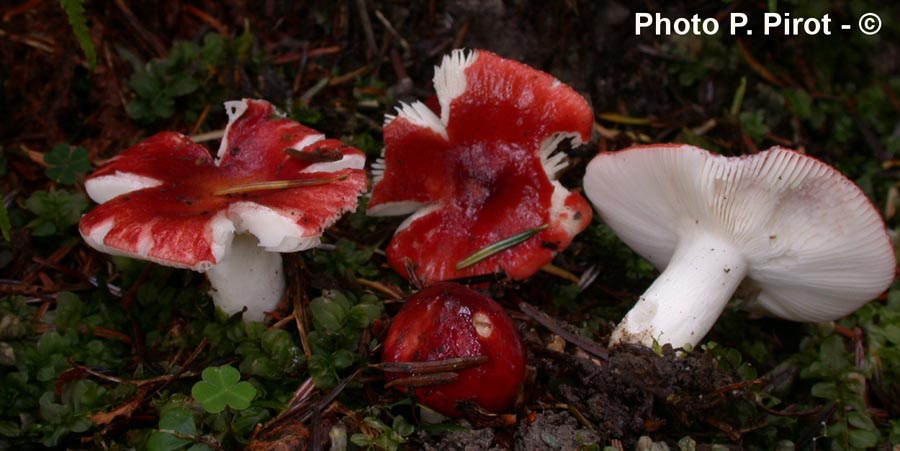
[(178, 419), (67, 163), (221, 387)]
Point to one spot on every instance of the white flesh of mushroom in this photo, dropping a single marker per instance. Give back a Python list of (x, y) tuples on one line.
[(248, 277), (103, 189), (685, 300)]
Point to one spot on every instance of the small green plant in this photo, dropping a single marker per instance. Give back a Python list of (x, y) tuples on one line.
[(56, 211), (222, 387), (754, 124), (176, 431), (75, 14), (348, 259), (388, 438), (70, 414), (67, 163), (265, 353), (699, 58), (731, 359), (162, 81), (338, 321), (836, 379), (609, 247), (186, 79)]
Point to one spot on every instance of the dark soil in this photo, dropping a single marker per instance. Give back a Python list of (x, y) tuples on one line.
[(548, 430), (554, 430), (464, 440), (638, 392)]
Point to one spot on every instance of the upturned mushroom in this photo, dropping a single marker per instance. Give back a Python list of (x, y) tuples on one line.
[(803, 239), (452, 346), (481, 170), (274, 186)]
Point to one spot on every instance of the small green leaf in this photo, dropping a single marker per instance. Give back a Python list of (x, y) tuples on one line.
[(66, 163), (860, 420), (360, 439), (162, 107), (342, 359), (182, 86), (57, 210), (892, 333), (402, 427), (69, 311), (361, 315), (322, 371), (800, 102), (214, 50), (5, 225), (499, 246), (78, 21), (754, 123), (9, 429), (221, 387), (145, 84), (863, 439), (826, 390), (328, 313), (178, 419)]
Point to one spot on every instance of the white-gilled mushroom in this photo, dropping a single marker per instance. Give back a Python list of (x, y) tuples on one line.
[(274, 186), (804, 239), (481, 170)]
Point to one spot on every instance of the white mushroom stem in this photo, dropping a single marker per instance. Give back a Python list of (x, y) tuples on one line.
[(248, 276), (683, 303)]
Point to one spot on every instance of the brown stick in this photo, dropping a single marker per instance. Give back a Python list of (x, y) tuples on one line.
[(556, 327)]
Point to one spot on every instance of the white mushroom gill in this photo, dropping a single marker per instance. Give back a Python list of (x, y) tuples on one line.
[(450, 79), (449, 83), (378, 167), (419, 114), (552, 159)]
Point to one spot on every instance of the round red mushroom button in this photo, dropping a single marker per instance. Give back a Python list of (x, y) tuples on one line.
[(446, 321)]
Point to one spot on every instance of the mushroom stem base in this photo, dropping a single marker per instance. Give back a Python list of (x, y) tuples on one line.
[(683, 303), (248, 276)]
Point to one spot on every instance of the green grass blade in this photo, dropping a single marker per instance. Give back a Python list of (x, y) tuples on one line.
[(499, 246)]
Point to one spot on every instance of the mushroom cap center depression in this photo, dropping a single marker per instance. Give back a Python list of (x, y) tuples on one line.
[(197, 196)]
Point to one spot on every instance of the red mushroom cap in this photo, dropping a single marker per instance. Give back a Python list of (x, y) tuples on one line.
[(445, 321), (162, 199), (482, 171)]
